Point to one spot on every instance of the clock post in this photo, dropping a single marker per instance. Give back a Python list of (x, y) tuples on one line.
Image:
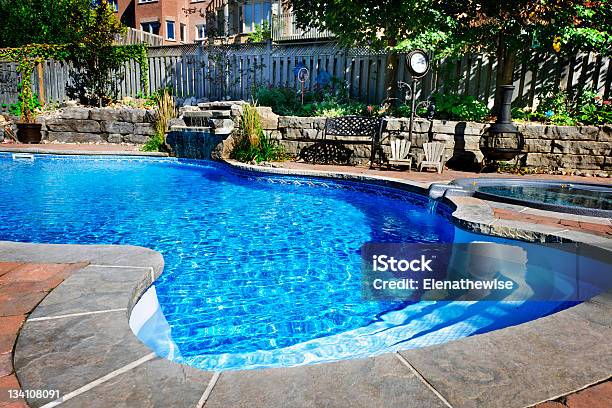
[(417, 63)]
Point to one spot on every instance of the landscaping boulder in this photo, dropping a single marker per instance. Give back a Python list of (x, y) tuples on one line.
[(72, 125), (114, 138), (136, 139), (105, 114), (117, 127), (74, 137), (76, 112), (144, 129), (269, 120)]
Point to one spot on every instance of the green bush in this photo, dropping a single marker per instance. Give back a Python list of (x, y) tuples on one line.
[(592, 109), (557, 108), (283, 101), (330, 101), (403, 111), (262, 33), (15, 108), (459, 107), (251, 143), (165, 110), (332, 108)]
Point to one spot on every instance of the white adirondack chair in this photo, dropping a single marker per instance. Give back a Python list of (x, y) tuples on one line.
[(400, 153), (433, 157)]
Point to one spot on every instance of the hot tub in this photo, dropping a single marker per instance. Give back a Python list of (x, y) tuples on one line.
[(574, 198)]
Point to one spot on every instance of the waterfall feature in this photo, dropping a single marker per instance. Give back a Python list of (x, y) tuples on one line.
[(205, 131)]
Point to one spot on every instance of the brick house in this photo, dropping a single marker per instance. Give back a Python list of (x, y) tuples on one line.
[(177, 21), (235, 19), (188, 21)]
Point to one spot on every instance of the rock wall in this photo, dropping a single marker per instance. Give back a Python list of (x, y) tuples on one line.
[(546, 146), (98, 125)]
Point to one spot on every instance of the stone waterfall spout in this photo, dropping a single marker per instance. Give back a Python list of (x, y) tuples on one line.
[(205, 131)]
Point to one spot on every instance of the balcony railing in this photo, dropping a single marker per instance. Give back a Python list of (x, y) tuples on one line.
[(133, 36), (285, 28)]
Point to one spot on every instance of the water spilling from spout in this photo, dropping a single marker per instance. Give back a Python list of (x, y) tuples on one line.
[(432, 206)]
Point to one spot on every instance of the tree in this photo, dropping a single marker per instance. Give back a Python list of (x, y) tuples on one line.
[(380, 24), (96, 60), (505, 29), (42, 21), (510, 29)]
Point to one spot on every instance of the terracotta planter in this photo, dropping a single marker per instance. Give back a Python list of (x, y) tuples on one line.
[(29, 133)]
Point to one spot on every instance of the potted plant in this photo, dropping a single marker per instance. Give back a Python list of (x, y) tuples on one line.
[(28, 131)]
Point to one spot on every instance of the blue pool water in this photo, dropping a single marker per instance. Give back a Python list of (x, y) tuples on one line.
[(259, 271)]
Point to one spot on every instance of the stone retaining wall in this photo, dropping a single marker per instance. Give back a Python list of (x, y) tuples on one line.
[(546, 146), (98, 125)]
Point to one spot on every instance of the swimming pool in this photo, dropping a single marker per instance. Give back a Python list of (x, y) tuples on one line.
[(260, 271)]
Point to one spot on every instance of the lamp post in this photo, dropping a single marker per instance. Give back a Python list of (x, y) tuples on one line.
[(418, 66)]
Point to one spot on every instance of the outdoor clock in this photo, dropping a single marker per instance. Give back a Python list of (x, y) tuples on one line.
[(418, 63)]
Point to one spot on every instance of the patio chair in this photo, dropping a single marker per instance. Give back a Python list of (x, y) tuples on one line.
[(400, 153), (433, 156)]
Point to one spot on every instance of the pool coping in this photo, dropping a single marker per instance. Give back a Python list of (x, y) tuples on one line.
[(425, 376), (92, 152)]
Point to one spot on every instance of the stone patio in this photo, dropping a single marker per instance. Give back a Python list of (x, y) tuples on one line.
[(22, 287)]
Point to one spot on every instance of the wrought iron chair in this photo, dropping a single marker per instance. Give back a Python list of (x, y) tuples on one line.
[(342, 131)]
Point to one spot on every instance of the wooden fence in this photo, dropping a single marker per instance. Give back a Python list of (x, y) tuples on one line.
[(232, 72)]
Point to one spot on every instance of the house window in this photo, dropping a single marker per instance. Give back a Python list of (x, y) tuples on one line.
[(200, 31), (151, 27), (183, 33), (113, 5), (255, 13), (170, 30)]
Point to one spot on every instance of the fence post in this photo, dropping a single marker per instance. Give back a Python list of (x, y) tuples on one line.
[(267, 71), (41, 84)]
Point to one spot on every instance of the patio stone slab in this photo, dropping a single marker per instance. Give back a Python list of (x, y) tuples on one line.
[(520, 365), (10, 327), (112, 290), (597, 396), (6, 364), (16, 304), (68, 353), (8, 266), (39, 273), (9, 382), (93, 254), (157, 383), (376, 382)]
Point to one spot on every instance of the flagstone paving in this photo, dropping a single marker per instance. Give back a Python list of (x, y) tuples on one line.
[(22, 287), (597, 396)]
